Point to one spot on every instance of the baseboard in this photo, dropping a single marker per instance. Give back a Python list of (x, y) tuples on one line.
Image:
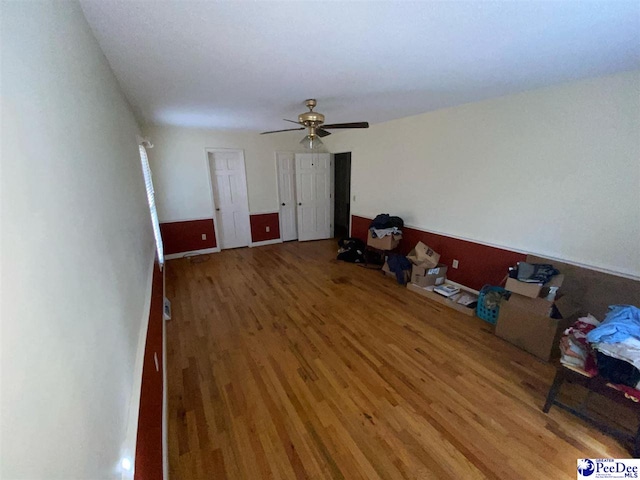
[(265, 242), (203, 251)]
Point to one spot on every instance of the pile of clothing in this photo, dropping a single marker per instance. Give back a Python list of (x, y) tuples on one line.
[(616, 342), (610, 349), (385, 224), (575, 348)]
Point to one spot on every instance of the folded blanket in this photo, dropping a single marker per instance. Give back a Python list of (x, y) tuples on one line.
[(622, 322)]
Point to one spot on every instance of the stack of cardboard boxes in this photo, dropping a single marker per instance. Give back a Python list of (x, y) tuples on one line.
[(425, 269), (535, 315), (427, 273)]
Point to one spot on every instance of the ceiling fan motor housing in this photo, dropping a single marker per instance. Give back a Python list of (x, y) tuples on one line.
[(309, 119)]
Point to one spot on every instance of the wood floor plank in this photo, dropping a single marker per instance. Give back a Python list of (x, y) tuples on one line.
[(286, 364)]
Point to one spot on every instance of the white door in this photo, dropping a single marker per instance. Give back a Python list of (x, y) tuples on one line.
[(313, 189), (229, 183), (286, 164)]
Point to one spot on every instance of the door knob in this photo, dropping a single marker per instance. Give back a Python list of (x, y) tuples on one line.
[(283, 204), (217, 209), (300, 204)]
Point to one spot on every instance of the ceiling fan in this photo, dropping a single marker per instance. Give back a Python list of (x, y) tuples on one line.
[(314, 122)]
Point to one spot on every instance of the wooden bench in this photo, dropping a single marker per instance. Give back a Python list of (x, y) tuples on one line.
[(594, 383)]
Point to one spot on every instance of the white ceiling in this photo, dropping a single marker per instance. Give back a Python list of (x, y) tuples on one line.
[(246, 65)]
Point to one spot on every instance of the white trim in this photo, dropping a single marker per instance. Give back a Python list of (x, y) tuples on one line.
[(265, 242), (186, 220), (266, 212), (202, 251), (517, 250), (129, 444)]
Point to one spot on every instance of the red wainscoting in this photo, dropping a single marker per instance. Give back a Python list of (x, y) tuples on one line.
[(148, 462), (259, 224), (478, 264), (178, 237)]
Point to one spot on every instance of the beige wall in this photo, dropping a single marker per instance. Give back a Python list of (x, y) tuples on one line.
[(77, 251), (554, 171), (179, 165)]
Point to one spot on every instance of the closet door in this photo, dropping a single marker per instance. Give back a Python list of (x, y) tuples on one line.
[(313, 187), (286, 164)]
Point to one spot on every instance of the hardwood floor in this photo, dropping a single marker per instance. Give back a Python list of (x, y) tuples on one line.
[(286, 364)]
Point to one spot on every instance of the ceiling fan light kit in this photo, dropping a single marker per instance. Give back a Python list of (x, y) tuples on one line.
[(314, 123), (311, 142)]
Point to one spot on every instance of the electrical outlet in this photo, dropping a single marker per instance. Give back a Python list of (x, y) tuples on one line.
[(268, 229), (455, 264), (204, 236)]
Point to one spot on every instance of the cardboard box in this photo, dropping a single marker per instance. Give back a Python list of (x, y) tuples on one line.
[(424, 256), (425, 276), (526, 323), (388, 242), (533, 290), (388, 273), (449, 302)]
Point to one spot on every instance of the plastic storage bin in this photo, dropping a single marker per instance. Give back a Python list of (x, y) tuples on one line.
[(489, 313)]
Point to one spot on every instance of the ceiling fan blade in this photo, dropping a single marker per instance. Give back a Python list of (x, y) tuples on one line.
[(348, 125), (322, 132), (286, 130), (292, 121)]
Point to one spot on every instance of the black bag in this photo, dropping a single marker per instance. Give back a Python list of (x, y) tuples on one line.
[(351, 250), (533, 272)]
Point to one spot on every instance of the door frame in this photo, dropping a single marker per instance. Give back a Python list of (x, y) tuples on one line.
[(332, 195), (295, 202), (212, 196), (349, 149), (350, 185)]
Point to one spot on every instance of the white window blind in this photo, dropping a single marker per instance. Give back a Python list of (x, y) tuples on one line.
[(148, 183)]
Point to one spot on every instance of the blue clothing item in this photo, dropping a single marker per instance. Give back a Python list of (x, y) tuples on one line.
[(398, 264), (622, 322)]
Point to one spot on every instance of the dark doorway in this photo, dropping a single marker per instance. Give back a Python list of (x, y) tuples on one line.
[(342, 213)]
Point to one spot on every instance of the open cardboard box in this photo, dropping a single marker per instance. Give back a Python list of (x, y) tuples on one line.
[(423, 256), (526, 323), (533, 290), (424, 276), (388, 273), (388, 242)]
